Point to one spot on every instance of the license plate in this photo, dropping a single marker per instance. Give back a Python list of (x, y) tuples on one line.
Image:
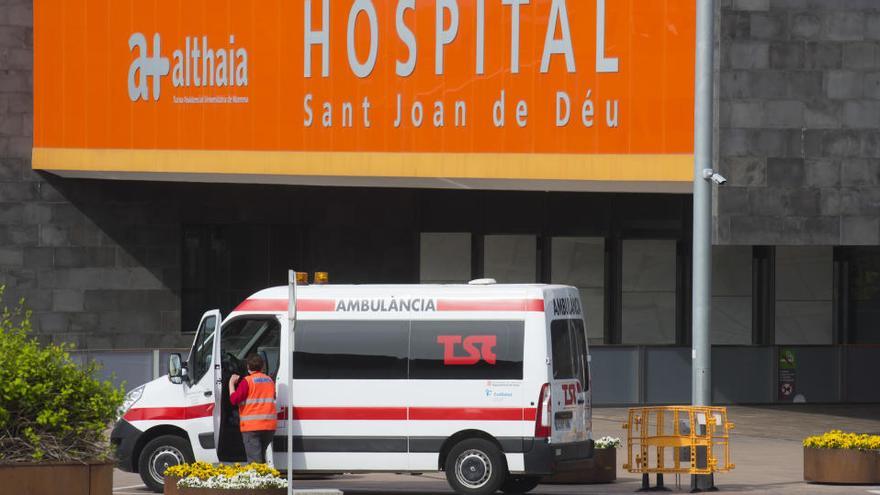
[(563, 423)]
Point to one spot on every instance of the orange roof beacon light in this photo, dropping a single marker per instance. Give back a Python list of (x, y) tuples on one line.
[(302, 278), (321, 278)]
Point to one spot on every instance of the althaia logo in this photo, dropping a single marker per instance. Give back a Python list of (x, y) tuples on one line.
[(197, 64)]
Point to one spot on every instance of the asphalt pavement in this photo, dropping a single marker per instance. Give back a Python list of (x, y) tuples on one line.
[(765, 446)]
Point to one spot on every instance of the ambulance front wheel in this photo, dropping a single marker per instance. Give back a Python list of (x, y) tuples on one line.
[(475, 467), (158, 455)]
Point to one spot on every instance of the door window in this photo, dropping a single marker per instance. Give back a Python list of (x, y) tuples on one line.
[(200, 357), (242, 337)]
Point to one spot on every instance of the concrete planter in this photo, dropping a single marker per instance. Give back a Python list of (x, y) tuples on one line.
[(40, 478), (845, 466), (170, 487), (602, 468)]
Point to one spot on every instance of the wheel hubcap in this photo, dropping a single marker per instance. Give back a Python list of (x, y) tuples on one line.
[(473, 468), (163, 458)]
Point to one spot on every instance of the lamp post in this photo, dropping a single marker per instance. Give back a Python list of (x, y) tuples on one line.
[(704, 176)]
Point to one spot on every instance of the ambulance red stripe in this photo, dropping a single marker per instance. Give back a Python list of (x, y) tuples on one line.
[(329, 305), (169, 413), (351, 413), (490, 305), (467, 414), (311, 305), (346, 413)]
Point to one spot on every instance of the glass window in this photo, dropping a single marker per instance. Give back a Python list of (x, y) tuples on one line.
[(444, 257), (224, 264), (469, 350), (564, 365), (510, 259), (203, 347), (731, 295), (569, 349), (648, 292), (349, 350), (864, 295), (804, 286), (242, 336), (580, 261)]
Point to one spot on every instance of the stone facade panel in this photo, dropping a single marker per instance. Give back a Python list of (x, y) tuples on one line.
[(843, 25), (862, 172), (819, 137), (822, 114), (861, 114), (768, 25), (787, 55), (745, 171), (860, 55), (844, 84), (749, 55), (860, 230), (806, 26), (823, 56)]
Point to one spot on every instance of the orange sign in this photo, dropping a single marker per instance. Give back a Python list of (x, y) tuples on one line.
[(554, 90)]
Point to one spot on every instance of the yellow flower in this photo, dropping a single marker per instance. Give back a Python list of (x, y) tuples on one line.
[(204, 470), (836, 439)]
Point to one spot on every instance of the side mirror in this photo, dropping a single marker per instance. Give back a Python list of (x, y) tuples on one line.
[(176, 370)]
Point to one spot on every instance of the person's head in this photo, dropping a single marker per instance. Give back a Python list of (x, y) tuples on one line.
[(255, 363)]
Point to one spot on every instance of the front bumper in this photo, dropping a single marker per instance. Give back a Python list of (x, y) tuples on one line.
[(546, 458), (124, 438)]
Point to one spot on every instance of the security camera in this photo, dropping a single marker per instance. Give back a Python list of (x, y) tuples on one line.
[(715, 177)]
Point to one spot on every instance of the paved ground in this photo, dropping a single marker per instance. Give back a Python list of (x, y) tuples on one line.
[(766, 448)]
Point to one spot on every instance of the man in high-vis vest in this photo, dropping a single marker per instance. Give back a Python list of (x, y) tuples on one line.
[(255, 398)]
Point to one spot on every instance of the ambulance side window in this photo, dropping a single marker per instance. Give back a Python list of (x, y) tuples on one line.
[(350, 350), (466, 350)]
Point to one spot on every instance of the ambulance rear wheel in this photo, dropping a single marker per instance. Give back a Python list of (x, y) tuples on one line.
[(475, 467), (158, 455)]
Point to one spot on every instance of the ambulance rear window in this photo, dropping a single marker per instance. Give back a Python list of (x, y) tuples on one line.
[(569, 350)]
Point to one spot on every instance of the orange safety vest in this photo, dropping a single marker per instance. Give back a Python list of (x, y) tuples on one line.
[(257, 411)]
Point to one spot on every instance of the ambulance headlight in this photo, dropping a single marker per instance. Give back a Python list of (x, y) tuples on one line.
[(131, 398)]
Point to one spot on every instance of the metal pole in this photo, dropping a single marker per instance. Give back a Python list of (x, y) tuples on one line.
[(702, 251), (291, 322), (701, 353)]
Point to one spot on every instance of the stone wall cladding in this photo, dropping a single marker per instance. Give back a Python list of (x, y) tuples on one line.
[(58, 248), (799, 123)]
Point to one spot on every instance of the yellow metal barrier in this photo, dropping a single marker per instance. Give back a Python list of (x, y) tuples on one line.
[(677, 439)]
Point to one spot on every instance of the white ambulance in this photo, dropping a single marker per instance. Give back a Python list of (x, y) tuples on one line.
[(487, 382)]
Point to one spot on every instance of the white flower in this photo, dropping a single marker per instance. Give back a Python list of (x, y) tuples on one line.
[(249, 479), (608, 443)]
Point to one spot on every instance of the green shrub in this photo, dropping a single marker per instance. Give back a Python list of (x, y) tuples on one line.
[(50, 407)]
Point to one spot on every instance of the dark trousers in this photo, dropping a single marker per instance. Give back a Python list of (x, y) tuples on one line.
[(255, 444)]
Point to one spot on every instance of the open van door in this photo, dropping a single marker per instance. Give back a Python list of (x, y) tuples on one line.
[(239, 338), (212, 319)]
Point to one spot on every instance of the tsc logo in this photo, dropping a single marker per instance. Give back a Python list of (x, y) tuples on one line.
[(145, 66), (469, 343)]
